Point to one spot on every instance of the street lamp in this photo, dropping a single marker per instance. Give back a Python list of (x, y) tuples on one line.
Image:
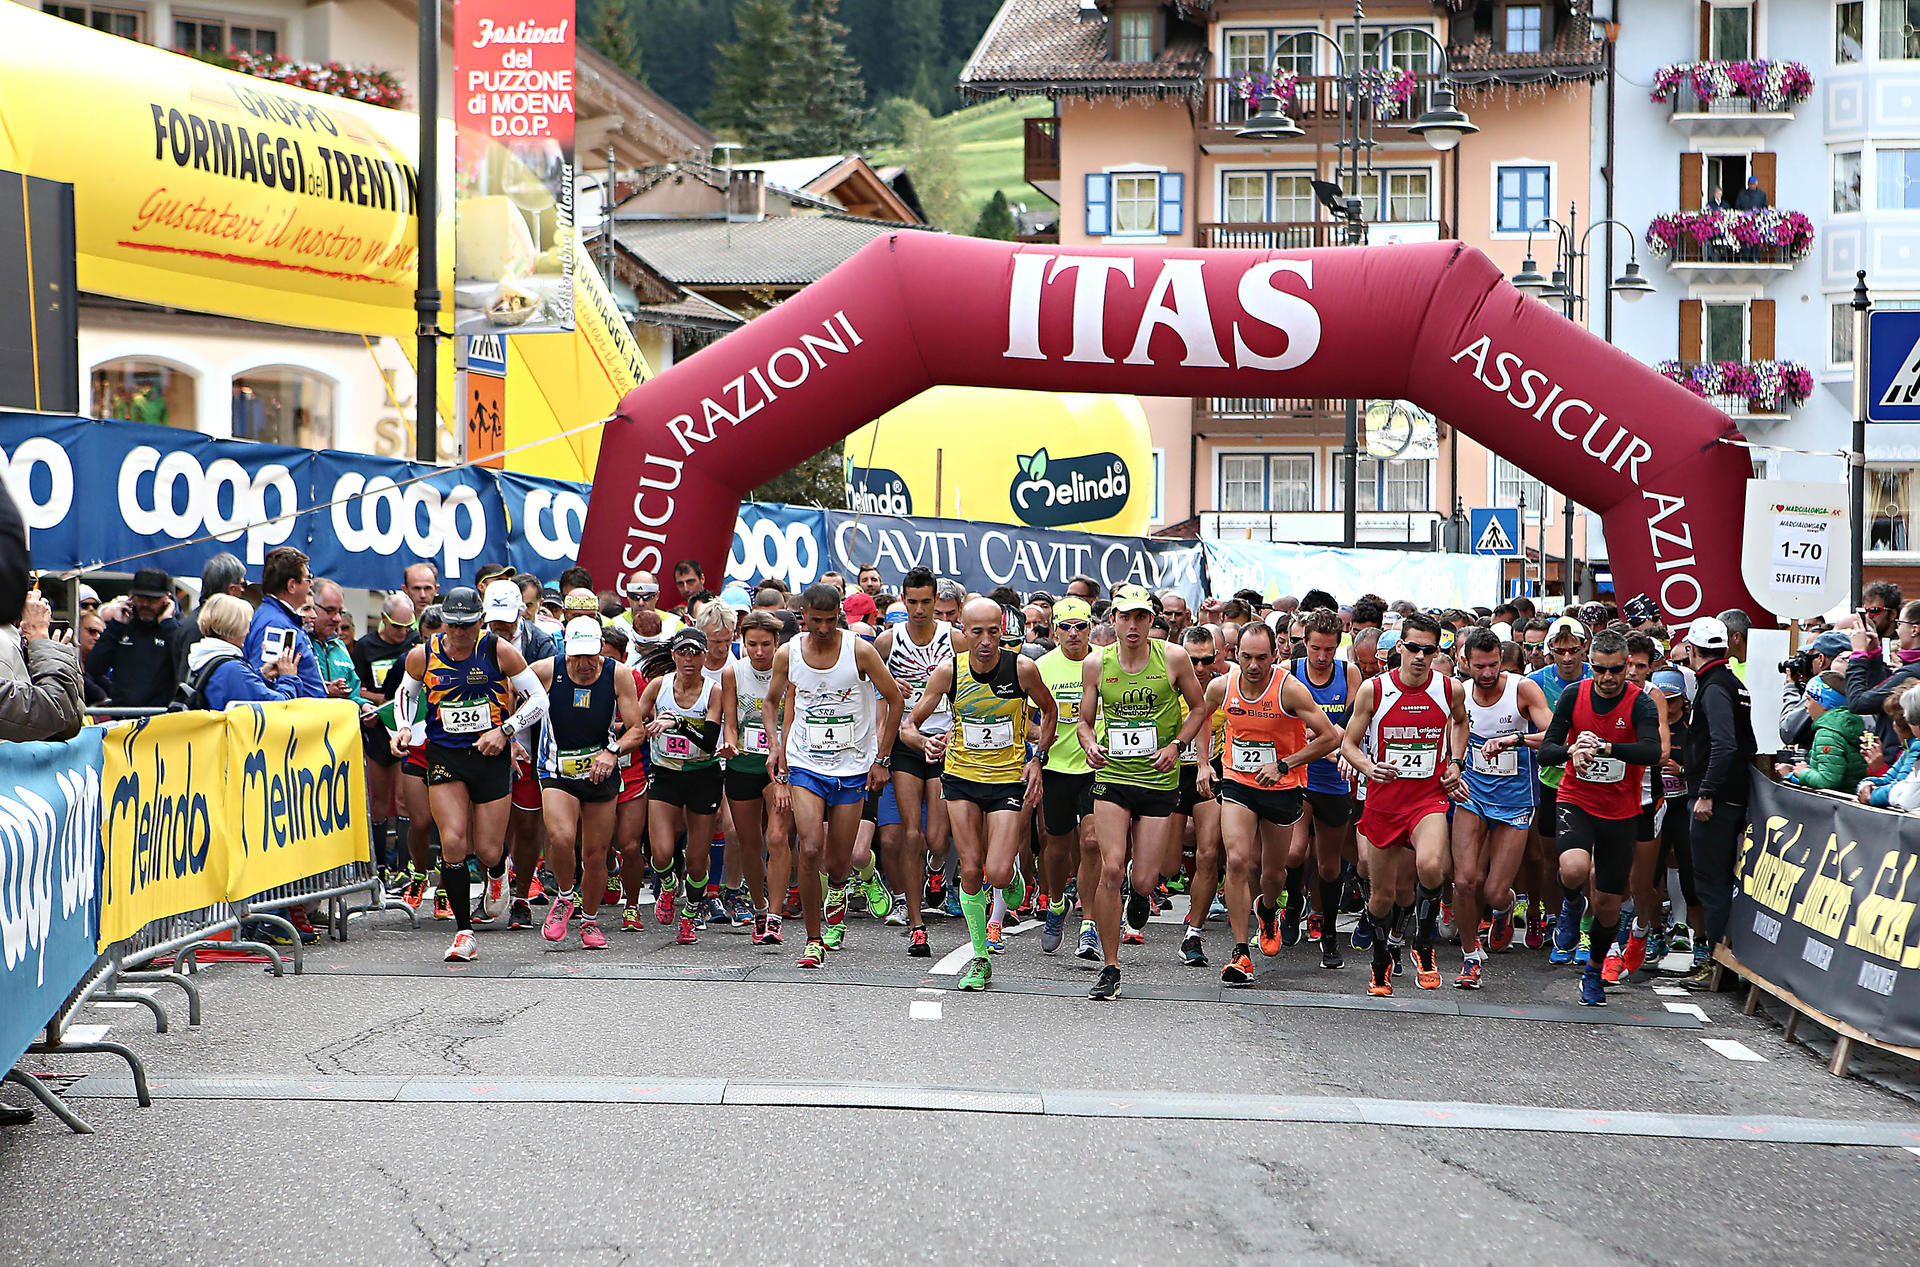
[(1441, 125), (1571, 267)]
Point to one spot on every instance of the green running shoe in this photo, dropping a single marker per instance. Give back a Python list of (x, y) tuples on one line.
[(1017, 891), (879, 896), (979, 972)]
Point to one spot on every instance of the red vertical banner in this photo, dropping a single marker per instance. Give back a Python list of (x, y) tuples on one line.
[(513, 74)]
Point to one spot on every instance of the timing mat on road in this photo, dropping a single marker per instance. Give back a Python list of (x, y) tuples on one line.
[(1182, 1105), (1432, 1003)]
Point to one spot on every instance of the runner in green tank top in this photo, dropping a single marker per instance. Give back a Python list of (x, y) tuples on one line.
[(1066, 782), (1137, 685)]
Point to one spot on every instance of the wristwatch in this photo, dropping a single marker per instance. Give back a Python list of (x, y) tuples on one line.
[(508, 729), (885, 762), (613, 747)]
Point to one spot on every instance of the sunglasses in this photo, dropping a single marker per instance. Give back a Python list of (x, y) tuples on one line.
[(1073, 626), (1607, 670), (1205, 659), (1420, 648), (1874, 611), (652, 593), (401, 624), (1534, 646), (322, 607)]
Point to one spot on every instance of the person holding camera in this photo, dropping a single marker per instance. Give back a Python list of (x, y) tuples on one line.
[(1818, 656), (1870, 679)]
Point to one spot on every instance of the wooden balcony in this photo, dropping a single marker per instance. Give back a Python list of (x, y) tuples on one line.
[(1268, 416), (1043, 151), (1315, 108), (1299, 235)]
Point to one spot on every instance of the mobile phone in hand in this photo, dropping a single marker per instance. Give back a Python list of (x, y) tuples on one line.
[(59, 628), (272, 642)]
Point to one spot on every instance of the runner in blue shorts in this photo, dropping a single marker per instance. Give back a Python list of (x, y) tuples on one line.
[(1506, 717)]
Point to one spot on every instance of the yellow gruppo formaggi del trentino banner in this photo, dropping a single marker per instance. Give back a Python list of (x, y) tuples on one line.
[(205, 189), (202, 808), (1043, 459)]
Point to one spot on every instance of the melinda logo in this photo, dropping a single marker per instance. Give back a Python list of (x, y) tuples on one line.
[(1051, 492), (877, 491)]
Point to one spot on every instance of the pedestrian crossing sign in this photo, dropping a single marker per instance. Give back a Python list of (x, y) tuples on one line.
[(1893, 365), (1494, 531)]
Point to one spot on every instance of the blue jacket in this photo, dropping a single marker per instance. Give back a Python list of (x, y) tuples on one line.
[(274, 614), (235, 679), (1879, 786)]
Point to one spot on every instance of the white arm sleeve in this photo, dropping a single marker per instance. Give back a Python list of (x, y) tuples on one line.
[(533, 701), (406, 700)]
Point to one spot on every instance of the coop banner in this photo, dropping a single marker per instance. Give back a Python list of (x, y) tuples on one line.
[(49, 880), (1825, 908), (513, 102)]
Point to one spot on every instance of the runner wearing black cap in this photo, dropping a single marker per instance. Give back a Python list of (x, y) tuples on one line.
[(681, 714)]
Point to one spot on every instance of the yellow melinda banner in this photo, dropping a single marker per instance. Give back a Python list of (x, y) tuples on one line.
[(205, 189), (201, 808), (163, 820)]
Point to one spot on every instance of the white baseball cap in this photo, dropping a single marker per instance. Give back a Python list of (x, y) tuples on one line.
[(583, 636), (502, 601), (1709, 633), (1503, 630)]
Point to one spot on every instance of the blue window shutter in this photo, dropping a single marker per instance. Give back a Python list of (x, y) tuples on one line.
[(1172, 199), (1099, 210)]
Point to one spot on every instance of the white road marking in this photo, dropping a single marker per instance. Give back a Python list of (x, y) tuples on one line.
[(923, 1010), (1733, 1049), (1671, 991), (87, 1033), (931, 991), (954, 960), (1914, 1151), (1690, 1009)]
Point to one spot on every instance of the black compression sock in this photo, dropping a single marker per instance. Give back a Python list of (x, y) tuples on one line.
[(458, 884), (1426, 914), (1604, 935), (1329, 907), (1296, 893)]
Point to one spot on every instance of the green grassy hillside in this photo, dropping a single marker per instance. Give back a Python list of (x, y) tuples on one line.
[(990, 149)]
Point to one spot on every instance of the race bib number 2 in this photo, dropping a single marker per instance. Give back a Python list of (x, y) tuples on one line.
[(987, 736)]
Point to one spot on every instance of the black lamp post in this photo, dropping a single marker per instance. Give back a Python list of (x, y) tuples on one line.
[(1441, 125), (1567, 288)]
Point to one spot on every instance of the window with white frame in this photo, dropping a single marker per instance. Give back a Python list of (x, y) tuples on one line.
[(1135, 203), (1900, 29), (1849, 31), (127, 23), (1406, 50), (1523, 28), (1250, 197), (1389, 484), (1510, 483), (1897, 183), (1523, 197), (1243, 197), (1250, 50), (1730, 33), (218, 35), (1401, 196), (1840, 344), (1846, 181), (1266, 481), (1133, 35)]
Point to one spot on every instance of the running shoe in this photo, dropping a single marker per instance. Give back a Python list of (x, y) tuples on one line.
[(1592, 992), (1330, 956), (759, 935), (612, 895), (815, 955), (1398, 953), (1566, 931), (1138, 910), (590, 935), (1701, 978), (416, 891), (1656, 948), (1072, 893), (462, 950), (773, 930), (1269, 922), (1177, 885), (917, 947), (1107, 986), (1584, 951), (267, 933), (496, 898), (1680, 940), (715, 914), (1427, 976), (1582, 955), (835, 933), (879, 897), (297, 916), (1469, 978), (630, 921), (1132, 936), (1289, 922), (663, 908), (1614, 967), (1500, 930), (442, 908), (1191, 950), (1536, 931), (1313, 926), (897, 917), (1239, 969), (1380, 982), (741, 904), (1217, 911), (979, 972), (537, 892), (790, 909), (936, 889), (1447, 930), (519, 913), (950, 904), (1362, 933), (1055, 929), (1089, 945), (686, 935), (996, 942), (555, 927)]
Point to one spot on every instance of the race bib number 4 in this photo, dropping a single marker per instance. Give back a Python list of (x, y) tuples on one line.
[(829, 732), (987, 736), (1502, 765), (1604, 770), (1249, 755), (466, 719), (1133, 741), (1413, 761)]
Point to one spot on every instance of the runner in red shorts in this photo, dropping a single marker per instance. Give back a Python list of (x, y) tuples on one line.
[(1406, 737)]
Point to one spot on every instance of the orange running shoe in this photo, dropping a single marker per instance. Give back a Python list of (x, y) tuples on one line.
[(1239, 971), (1269, 928), (1380, 984), (1427, 971)]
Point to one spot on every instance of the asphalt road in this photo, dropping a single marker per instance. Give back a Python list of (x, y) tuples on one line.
[(707, 1103)]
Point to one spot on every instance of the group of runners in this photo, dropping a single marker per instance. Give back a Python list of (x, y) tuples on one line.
[(999, 762)]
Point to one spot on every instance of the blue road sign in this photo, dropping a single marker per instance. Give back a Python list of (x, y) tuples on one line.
[(1893, 365), (487, 353), (1494, 530)]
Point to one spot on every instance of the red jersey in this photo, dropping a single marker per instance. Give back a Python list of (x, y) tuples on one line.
[(1609, 787), (1408, 731)]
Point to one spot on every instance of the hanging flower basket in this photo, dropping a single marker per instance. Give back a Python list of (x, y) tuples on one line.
[(354, 83), (1767, 386), (1771, 86), (1253, 85), (1387, 89), (1733, 230)]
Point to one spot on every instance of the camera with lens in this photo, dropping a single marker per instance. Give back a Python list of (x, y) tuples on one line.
[(1640, 610), (1799, 669)]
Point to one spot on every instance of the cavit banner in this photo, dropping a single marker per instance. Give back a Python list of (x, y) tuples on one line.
[(1825, 906), (513, 76), (49, 880)]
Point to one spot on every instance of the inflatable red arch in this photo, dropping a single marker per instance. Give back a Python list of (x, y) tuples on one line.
[(1434, 323)]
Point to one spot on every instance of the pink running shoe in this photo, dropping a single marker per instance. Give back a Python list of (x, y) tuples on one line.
[(686, 935), (590, 935), (555, 929), (663, 909)]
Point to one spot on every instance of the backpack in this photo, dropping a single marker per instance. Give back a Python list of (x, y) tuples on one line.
[(191, 695)]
